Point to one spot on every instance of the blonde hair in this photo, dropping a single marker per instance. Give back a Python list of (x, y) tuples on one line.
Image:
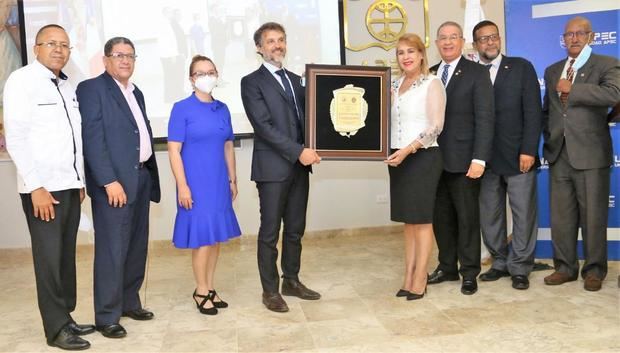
[(414, 41)]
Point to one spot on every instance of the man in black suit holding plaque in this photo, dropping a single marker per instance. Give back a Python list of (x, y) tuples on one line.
[(274, 102), (465, 144)]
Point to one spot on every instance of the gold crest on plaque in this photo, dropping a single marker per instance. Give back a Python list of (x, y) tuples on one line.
[(348, 110)]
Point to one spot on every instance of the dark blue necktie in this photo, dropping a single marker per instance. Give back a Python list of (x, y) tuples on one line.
[(289, 92), (444, 74)]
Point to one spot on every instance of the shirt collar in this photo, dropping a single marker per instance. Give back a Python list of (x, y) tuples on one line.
[(47, 73), (494, 63), (452, 63), (130, 86), (271, 67)]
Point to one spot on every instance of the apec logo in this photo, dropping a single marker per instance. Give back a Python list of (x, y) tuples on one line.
[(544, 164), (598, 38)]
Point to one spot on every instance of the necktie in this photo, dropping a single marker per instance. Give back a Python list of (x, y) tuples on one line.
[(489, 66), (444, 74), (570, 74), (289, 92), (286, 84)]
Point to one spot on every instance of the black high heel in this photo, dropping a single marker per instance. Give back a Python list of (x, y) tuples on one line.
[(201, 306), (402, 293), (219, 304), (416, 296)]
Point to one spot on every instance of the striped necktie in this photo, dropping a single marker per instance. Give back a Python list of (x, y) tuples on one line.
[(444, 74), (570, 75)]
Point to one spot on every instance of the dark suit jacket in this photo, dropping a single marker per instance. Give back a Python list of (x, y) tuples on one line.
[(468, 128), (518, 115), (582, 123), (111, 139), (273, 118)]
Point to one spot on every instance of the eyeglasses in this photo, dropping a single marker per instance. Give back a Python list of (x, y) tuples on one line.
[(451, 38), (199, 74), (121, 56), (55, 45), (578, 34), (485, 39)]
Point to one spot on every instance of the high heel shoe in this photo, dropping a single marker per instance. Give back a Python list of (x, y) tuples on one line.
[(201, 306), (416, 296), (402, 293), (219, 304)]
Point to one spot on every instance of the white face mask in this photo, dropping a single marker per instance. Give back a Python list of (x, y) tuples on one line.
[(205, 84)]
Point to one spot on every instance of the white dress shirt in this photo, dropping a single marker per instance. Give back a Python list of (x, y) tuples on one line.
[(494, 67), (43, 130), (452, 64), (145, 138)]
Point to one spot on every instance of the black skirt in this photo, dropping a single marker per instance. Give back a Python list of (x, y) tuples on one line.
[(413, 186)]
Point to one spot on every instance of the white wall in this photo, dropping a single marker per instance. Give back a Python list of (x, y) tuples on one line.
[(342, 194)]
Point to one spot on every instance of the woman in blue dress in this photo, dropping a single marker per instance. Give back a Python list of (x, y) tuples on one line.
[(202, 157)]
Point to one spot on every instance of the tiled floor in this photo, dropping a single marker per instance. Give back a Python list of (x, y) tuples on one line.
[(357, 276)]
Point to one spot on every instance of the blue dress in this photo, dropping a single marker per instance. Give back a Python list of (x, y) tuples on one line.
[(203, 128)]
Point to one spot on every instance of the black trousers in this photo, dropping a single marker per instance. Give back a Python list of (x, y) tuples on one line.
[(53, 255), (456, 223), (282, 203), (121, 243)]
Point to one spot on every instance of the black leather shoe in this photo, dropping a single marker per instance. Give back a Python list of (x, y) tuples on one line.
[(274, 302), (402, 293), (112, 331), (469, 286), (520, 282), (67, 340), (295, 288), (80, 329), (439, 276), (493, 275), (139, 314)]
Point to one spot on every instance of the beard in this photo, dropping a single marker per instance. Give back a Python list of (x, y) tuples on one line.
[(489, 56)]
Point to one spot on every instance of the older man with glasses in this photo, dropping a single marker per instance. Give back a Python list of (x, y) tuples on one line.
[(43, 138), (121, 179), (579, 91), (511, 171)]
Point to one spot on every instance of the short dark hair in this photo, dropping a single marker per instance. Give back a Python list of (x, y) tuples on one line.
[(107, 48), (268, 26), (46, 27), (482, 24), (196, 59)]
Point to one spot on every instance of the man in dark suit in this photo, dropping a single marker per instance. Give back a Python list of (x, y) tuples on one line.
[(579, 91), (512, 167), (274, 102), (121, 179), (465, 144)]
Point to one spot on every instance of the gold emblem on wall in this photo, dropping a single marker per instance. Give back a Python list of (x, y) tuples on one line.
[(386, 21)]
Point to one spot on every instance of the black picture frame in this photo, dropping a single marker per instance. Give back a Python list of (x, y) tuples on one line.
[(324, 83)]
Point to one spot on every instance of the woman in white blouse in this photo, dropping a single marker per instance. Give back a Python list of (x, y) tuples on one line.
[(418, 107)]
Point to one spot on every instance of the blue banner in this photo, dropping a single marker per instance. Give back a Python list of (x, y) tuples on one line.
[(534, 31)]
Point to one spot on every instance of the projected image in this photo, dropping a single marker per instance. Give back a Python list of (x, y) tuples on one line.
[(168, 33)]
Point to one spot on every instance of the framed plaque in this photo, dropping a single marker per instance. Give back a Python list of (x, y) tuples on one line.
[(347, 111)]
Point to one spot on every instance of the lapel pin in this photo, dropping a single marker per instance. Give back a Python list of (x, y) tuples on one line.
[(582, 74), (506, 67)]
